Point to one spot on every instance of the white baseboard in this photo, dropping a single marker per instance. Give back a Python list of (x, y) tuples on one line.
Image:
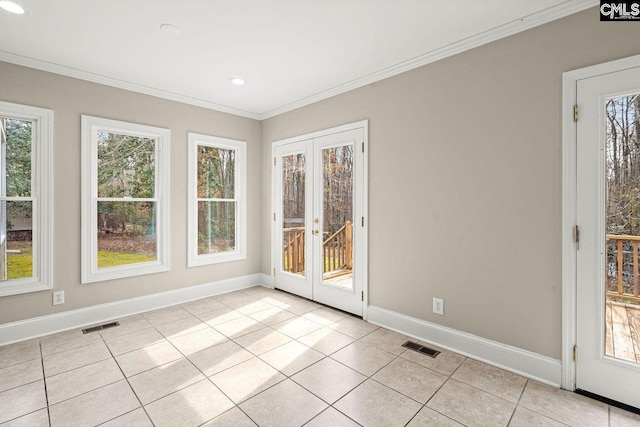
[(526, 363), (73, 319)]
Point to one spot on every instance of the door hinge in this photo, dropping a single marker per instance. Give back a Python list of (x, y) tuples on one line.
[(274, 272), (362, 296), (575, 353), (363, 147), (363, 221), (274, 161), (576, 236), (274, 216), (575, 112)]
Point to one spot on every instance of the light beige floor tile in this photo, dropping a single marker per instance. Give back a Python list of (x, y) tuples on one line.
[(356, 328), (35, 419), (22, 400), (526, 418), (66, 341), (364, 358), (146, 358), (191, 406), (202, 305), (121, 344), (410, 379), (135, 418), (247, 379), (127, 325), (324, 315), (291, 357), (297, 327), (197, 341), (499, 382), (219, 357), (163, 380), (326, 340), (333, 418), (300, 306), (58, 363), (280, 299), (387, 340), (286, 404), (622, 418), (13, 354), (329, 380), (453, 400), (235, 299), (446, 362), (430, 418), (95, 407), (166, 315), (181, 327), (239, 327), (81, 380), (272, 316), (221, 315), (232, 418), (372, 404), (21, 374), (253, 307), (261, 341), (561, 405)]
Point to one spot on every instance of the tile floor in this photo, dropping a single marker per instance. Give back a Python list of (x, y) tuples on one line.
[(263, 357)]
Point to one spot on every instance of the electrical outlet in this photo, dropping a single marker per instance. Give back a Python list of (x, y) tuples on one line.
[(58, 298), (438, 306)]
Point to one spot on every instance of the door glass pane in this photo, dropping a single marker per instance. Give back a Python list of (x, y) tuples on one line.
[(126, 233), (622, 311), (293, 213), (337, 214)]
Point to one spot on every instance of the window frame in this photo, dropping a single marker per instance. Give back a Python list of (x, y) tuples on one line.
[(41, 195), (90, 126), (240, 196)]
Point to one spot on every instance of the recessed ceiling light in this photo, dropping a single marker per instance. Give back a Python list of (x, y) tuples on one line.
[(238, 81), (12, 7), (170, 29)]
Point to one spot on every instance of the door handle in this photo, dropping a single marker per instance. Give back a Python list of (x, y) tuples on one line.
[(315, 232)]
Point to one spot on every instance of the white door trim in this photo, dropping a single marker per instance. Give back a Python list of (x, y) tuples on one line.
[(364, 259), (569, 210)]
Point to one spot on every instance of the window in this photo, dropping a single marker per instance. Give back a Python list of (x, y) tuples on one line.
[(26, 137), (125, 218), (217, 195)]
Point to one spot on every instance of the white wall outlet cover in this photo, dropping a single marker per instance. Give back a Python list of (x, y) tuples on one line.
[(438, 306)]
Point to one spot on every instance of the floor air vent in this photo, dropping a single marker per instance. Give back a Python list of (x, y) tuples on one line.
[(421, 349), (100, 327)]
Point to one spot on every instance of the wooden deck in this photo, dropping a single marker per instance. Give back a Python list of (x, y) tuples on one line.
[(623, 331)]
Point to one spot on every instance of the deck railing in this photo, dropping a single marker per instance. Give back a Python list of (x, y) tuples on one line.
[(616, 250), (337, 250)]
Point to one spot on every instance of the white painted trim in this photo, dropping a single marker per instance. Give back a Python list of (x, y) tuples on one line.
[(522, 362), (550, 14), (240, 147), (73, 319), (90, 126), (569, 206), (42, 196)]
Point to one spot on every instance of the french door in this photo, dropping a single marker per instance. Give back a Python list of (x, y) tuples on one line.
[(608, 216), (319, 202)]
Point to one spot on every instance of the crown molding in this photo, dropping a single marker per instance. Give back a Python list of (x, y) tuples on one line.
[(553, 13)]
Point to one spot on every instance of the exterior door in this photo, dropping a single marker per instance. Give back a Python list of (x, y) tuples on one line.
[(319, 218), (608, 216)]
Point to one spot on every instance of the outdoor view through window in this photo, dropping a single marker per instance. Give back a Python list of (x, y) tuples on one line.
[(623, 227)]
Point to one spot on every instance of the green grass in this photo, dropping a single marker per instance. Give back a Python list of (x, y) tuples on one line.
[(112, 259), (20, 265)]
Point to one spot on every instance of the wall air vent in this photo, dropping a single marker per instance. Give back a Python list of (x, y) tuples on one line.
[(100, 327)]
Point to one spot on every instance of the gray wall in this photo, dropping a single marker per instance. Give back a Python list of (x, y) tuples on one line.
[(69, 98), (465, 179)]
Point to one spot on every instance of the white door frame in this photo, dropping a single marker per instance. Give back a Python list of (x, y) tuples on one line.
[(569, 207), (364, 125)]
